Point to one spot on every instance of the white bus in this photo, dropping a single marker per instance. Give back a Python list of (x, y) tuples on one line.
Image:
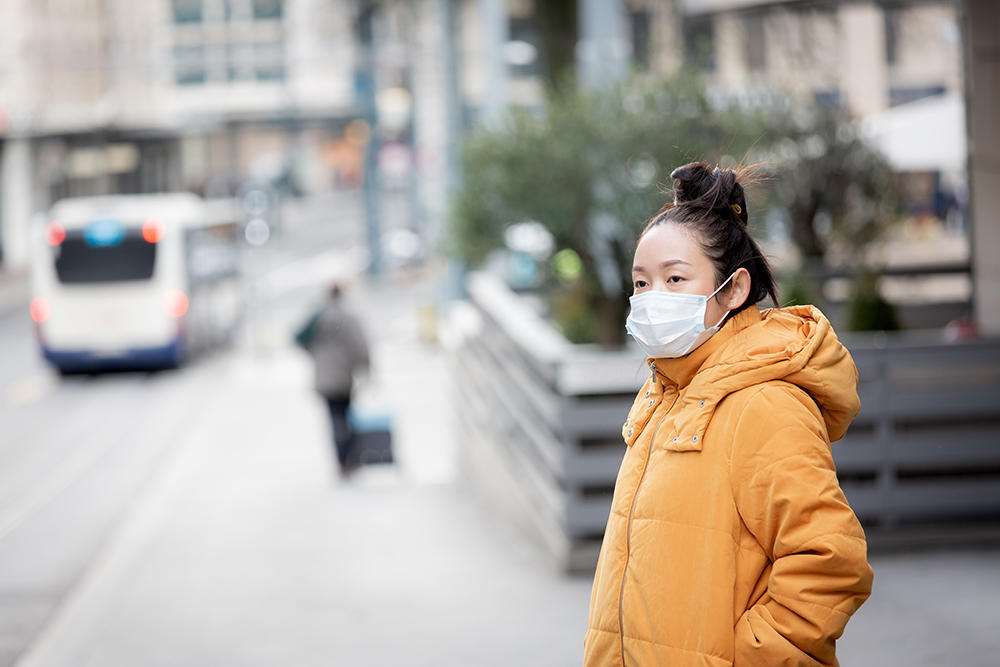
[(134, 281)]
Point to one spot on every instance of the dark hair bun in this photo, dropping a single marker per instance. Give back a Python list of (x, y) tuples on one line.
[(717, 190), (691, 182)]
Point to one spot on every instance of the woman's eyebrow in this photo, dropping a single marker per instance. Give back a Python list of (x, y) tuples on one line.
[(663, 265)]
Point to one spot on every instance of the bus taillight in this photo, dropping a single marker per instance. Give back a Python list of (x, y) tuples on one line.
[(55, 233), (152, 230), (40, 309), (175, 303)]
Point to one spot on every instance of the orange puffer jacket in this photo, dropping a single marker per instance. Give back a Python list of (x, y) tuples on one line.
[(730, 541)]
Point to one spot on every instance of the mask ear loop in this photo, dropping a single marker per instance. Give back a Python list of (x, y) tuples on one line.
[(726, 314), (722, 285)]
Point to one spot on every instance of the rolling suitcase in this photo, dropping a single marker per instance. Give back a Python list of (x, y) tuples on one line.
[(371, 430)]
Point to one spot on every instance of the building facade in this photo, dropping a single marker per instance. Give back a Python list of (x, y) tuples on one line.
[(121, 96), (866, 56)]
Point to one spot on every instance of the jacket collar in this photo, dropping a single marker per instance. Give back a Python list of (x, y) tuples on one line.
[(698, 402), (679, 371)]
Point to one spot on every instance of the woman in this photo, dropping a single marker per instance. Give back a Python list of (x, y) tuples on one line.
[(729, 541)]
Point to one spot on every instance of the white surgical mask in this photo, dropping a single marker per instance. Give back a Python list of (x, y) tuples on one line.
[(667, 324)]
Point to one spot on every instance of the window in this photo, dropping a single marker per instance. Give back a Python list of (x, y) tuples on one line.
[(240, 61), (268, 9), (78, 261), (521, 52), (756, 51), (189, 64), (640, 39), (829, 99), (234, 49), (187, 11), (890, 15), (699, 43), (904, 94), (269, 61)]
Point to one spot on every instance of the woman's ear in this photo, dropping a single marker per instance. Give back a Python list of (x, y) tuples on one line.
[(739, 289)]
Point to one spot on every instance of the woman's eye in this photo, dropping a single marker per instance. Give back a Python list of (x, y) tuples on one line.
[(674, 279), (639, 284)]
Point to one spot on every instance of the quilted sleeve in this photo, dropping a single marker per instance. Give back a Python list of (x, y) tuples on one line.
[(786, 490)]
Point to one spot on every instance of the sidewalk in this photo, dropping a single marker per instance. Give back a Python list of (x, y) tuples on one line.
[(249, 551)]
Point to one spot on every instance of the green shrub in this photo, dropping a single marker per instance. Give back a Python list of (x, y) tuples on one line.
[(867, 309)]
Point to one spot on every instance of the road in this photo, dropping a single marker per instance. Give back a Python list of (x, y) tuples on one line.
[(76, 453), (73, 456)]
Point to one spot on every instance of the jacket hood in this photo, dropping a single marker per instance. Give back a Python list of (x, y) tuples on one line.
[(795, 344)]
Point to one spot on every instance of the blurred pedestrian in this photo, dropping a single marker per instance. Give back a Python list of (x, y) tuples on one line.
[(336, 342), (729, 541)]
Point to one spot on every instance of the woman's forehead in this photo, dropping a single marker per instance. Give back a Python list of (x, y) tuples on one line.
[(668, 241)]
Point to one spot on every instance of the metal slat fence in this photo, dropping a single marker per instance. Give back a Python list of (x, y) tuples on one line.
[(545, 416)]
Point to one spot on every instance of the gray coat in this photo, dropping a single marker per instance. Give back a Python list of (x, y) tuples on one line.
[(338, 349)]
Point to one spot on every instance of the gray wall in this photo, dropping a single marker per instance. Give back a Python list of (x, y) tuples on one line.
[(983, 86)]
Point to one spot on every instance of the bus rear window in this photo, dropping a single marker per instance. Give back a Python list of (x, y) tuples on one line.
[(132, 258)]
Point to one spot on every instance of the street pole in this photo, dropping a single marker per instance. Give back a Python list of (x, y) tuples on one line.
[(495, 26), (602, 61), (453, 101), (364, 83), (454, 287)]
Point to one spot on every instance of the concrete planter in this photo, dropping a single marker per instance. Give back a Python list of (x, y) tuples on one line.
[(539, 431)]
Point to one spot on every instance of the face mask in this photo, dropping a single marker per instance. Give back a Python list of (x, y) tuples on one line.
[(666, 324)]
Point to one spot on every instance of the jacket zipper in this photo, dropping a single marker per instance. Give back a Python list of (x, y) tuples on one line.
[(628, 535)]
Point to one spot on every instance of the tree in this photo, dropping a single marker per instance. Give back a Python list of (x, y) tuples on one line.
[(837, 190), (592, 167)]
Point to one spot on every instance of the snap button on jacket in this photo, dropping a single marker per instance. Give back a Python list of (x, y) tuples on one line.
[(729, 540)]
